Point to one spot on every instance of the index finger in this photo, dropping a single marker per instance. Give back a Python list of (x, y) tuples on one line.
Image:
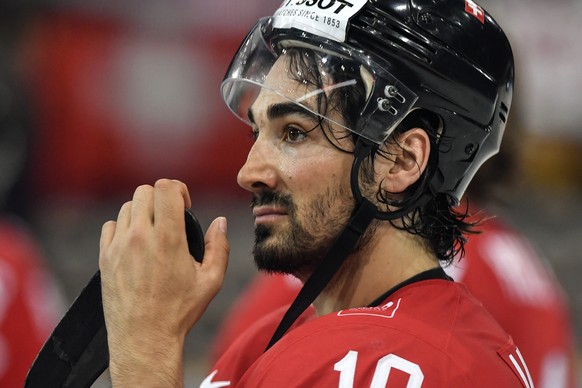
[(171, 197)]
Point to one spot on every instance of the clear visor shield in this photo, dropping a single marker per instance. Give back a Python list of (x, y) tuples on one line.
[(324, 77)]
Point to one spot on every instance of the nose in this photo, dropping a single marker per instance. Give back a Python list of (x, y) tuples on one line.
[(259, 172)]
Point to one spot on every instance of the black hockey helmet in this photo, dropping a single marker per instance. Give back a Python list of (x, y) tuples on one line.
[(448, 57)]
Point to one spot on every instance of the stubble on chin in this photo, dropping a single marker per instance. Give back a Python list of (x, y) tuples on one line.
[(298, 247), (283, 250)]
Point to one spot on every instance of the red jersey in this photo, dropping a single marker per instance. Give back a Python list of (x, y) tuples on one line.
[(430, 333), (30, 304), (501, 269)]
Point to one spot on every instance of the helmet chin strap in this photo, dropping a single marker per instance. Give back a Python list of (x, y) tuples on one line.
[(363, 214)]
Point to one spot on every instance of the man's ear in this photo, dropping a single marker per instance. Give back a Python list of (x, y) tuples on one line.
[(408, 158)]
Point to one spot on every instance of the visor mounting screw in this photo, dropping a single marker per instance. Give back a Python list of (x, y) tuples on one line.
[(385, 106), (469, 149), (390, 91)]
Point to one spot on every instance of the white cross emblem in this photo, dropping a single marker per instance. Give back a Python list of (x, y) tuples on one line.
[(475, 10)]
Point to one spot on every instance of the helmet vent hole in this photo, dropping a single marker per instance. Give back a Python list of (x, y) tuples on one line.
[(502, 117), (425, 18)]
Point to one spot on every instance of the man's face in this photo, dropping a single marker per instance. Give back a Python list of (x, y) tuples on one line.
[(299, 180)]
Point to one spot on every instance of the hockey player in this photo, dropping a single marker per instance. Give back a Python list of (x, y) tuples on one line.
[(369, 118)]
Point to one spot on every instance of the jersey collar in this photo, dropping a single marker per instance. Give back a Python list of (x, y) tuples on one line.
[(431, 274)]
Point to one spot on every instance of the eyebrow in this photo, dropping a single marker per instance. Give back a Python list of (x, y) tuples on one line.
[(282, 109)]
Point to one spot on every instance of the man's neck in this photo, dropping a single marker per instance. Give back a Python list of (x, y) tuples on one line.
[(391, 257)]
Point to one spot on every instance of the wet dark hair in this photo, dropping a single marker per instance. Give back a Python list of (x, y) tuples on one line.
[(304, 68), (441, 227)]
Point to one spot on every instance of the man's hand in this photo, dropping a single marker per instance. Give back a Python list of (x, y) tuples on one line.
[(153, 290)]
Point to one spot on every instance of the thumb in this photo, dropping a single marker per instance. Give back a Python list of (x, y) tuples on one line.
[(217, 247)]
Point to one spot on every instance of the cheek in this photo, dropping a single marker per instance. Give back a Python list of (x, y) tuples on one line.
[(309, 173), (321, 186)]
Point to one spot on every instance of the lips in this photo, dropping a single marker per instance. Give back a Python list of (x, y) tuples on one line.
[(268, 214)]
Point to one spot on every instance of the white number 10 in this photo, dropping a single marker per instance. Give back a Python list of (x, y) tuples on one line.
[(347, 369)]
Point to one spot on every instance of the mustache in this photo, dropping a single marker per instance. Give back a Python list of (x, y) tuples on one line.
[(272, 198)]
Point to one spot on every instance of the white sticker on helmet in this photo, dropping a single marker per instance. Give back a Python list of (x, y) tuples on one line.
[(326, 18)]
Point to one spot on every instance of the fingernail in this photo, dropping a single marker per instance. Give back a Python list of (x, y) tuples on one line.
[(222, 224)]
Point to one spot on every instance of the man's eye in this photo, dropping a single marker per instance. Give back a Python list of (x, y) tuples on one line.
[(295, 135)]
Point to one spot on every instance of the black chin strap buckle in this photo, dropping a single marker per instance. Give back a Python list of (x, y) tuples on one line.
[(363, 215), (362, 150)]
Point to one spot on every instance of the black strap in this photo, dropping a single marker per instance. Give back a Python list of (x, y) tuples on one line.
[(363, 215), (319, 279), (76, 353)]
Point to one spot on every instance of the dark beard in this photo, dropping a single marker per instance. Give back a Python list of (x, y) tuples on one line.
[(303, 247)]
